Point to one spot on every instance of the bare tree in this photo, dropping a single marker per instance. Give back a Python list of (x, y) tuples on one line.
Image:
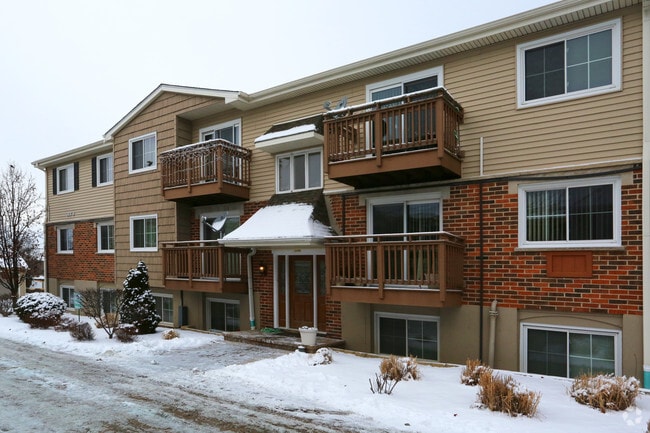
[(21, 215), (102, 306)]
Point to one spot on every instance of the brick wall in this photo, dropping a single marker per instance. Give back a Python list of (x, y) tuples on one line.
[(85, 263)]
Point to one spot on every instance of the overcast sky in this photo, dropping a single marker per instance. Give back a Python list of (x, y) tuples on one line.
[(71, 69)]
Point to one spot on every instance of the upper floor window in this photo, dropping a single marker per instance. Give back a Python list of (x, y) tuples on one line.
[(64, 239), (406, 84), (142, 153), (411, 214), (570, 214), (106, 237), (65, 178), (298, 171), (230, 131), (144, 233), (102, 170), (570, 65)]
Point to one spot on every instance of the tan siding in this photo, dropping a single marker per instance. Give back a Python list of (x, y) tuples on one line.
[(87, 203)]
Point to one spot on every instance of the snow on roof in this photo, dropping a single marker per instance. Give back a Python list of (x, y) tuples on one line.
[(280, 224), (286, 133)]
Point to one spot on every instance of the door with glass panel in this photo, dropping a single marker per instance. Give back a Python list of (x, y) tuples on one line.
[(231, 164), (214, 228), (301, 283)]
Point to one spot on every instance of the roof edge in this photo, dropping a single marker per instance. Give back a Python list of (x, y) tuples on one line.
[(96, 147)]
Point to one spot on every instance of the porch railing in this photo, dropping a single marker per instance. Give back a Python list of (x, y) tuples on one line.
[(419, 120), (209, 161), (203, 260), (430, 261)]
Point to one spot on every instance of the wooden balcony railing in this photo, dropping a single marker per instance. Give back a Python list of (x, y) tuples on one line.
[(204, 266), (206, 168), (425, 120), (401, 267)]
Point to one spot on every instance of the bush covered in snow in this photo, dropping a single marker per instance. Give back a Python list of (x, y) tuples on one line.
[(504, 394), (40, 309), (6, 305), (323, 356), (393, 370), (138, 306), (605, 391), (472, 372), (126, 333), (82, 331), (170, 334)]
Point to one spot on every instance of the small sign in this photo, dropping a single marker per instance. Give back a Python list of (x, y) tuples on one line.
[(76, 300)]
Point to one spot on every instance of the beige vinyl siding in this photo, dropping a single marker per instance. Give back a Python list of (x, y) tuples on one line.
[(140, 193), (590, 130), (87, 203)]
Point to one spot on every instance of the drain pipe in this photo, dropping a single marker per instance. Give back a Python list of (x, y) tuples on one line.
[(493, 313), (251, 297), (645, 188)]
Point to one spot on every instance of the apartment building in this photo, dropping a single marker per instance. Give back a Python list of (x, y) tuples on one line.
[(476, 195)]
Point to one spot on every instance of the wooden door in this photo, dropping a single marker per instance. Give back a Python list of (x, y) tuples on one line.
[(301, 291)]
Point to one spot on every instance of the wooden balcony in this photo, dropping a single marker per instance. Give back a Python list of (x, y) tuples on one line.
[(417, 269), (204, 266), (406, 139), (209, 172)]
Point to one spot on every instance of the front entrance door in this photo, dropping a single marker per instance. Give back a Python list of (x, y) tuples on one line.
[(305, 281)]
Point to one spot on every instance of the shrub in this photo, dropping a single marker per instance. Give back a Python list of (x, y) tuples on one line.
[(503, 394), (138, 304), (170, 334), (323, 356), (95, 301), (82, 332), (605, 391), (66, 323), (391, 371), (472, 372), (40, 309), (6, 305), (126, 333)]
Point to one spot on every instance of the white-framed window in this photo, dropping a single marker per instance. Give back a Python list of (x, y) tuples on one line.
[(569, 351), (570, 65), (144, 233), (142, 153), (65, 179), (406, 334), (104, 170), (298, 171), (67, 294), (164, 307), (230, 131), (405, 214), (427, 79), (570, 214), (106, 237), (223, 314), (64, 239), (109, 302)]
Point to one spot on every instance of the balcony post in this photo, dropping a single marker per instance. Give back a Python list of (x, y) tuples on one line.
[(189, 265), (440, 125), (377, 138), (381, 278), (220, 163), (442, 268)]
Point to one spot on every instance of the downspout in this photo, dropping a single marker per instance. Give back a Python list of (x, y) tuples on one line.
[(645, 188), (493, 332), (251, 297), (481, 265)]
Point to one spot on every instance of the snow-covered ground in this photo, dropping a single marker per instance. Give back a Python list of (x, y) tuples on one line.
[(288, 381)]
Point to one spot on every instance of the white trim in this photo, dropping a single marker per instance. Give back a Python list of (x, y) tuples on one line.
[(99, 237), (58, 239), (616, 208), (405, 316), (98, 169), (167, 296), (142, 217), (224, 125), (614, 25), (154, 163), (373, 87), (69, 168), (291, 156), (523, 342)]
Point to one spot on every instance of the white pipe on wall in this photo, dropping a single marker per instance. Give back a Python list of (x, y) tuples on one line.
[(493, 313), (645, 188)]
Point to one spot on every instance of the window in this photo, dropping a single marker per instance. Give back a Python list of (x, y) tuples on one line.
[(65, 178), (299, 171), (404, 335), (574, 64), (109, 300), (575, 214), (223, 315), (144, 233), (102, 170), (569, 352), (105, 237), (406, 84), (64, 239), (229, 131), (67, 293), (142, 153), (164, 307)]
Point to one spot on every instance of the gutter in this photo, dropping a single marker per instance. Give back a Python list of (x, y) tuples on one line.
[(645, 191)]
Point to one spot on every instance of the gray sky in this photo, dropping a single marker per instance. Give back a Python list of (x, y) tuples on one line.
[(71, 69)]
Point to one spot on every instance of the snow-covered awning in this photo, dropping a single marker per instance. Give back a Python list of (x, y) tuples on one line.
[(282, 225), (292, 135)]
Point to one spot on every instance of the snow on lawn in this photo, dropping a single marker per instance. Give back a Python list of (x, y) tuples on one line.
[(437, 402)]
